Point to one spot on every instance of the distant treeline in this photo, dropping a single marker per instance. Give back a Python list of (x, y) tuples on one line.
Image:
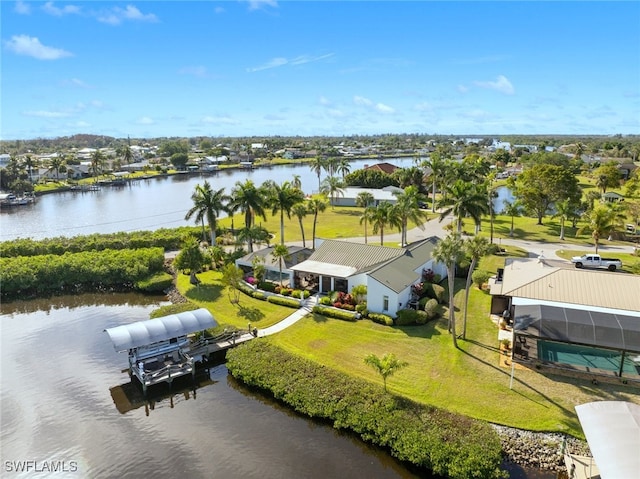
[(168, 239), (450, 445)]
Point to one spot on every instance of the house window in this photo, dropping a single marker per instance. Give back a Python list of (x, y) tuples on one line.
[(385, 303)]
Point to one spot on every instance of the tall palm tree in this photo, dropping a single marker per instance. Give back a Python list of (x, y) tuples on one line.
[(464, 199), (475, 248), (343, 167), (300, 210), (55, 164), (331, 165), (250, 200), (436, 164), (363, 200), (97, 163), (254, 235), (408, 208), (564, 210), (332, 187), (296, 182), (317, 165), (29, 163), (207, 203), (317, 204), (382, 216), (513, 209), (448, 252), (280, 254), (281, 198), (601, 221)]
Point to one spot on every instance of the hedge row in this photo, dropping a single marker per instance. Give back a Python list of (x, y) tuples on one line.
[(46, 274), (444, 443), (168, 239), (334, 313), (283, 301)]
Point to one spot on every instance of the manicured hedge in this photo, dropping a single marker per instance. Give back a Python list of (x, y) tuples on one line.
[(334, 313), (444, 443), (411, 316), (282, 301), (46, 274), (381, 318), (168, 239)]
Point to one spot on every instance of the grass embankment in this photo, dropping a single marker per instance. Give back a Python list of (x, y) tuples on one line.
[(468, 381)]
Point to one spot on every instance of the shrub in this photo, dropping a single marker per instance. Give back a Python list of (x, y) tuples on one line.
[(259, 295), (325, 300), (411, 316), (480, 277), (156, 283), (381, 319), (246, 289), (334, 313), (428, 275), (432, 309), (435, 291), (348, 307), (289, 302), (267, 286), (361, 307), (448, 444), (173, 309)]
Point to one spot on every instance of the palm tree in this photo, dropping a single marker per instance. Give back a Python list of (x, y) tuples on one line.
[(437, 164), (331, 165), (332, 186), (207, 203), (281, 198), (382, 216), (300, 210), (317, 165), (280, 253), (343, 167), (254, 235), (475, 248), (97, 163), (386, 366), (600, 221), (317, 204), (513, 209), (127, 155), (296, 182), (29, 163), (408, 208), (448, 252), (55, 164), (464, 199), (564, 210), (250, 200), (363, 200)]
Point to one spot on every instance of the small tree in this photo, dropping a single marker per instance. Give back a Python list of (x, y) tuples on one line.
[(359, 292), (386, 366), (231, 277), (280, 254), (190, 257)]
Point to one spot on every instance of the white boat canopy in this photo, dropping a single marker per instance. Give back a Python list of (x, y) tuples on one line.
[(612, 429), (144, 333)]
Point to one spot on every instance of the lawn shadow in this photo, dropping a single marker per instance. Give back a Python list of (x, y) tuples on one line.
[(423, 331), (253, 315), (318, 318), (204, 292)]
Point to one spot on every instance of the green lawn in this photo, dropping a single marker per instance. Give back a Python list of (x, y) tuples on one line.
[(468, 381), (210, 294)]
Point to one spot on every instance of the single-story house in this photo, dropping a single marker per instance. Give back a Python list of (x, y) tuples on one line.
[(612, 197), (387, 272), (297, 254), (582, 320), (349, 195), (387, 168)]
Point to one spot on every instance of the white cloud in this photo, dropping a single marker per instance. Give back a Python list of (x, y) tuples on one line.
[(31, 47), (502, 84), (117, 15), (362, 101), (281, 61), (22, 8), (462, 88), (145, 120), (381, 107), (219, 120), (324, 101), (59, 12), (258, 4), (81, 124), (47, 114)]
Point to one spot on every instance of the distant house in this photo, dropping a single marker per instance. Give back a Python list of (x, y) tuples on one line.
[(612, 197), (387, 168), (297, 255), (579, 320), (388, 273), (4, 159), (350, 194), (626, 170)]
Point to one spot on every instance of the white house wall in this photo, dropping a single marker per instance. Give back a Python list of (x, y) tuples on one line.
[(376, 292)]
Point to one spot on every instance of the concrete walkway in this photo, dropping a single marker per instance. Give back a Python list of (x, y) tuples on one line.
[(306, 308)]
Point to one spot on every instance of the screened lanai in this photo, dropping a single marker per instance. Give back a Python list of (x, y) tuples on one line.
[(592, 341)]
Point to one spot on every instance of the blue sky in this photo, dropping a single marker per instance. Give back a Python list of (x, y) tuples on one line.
[(263, 68)]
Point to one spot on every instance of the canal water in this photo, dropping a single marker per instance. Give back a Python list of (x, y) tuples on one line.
[(65, 401), (159, 202)]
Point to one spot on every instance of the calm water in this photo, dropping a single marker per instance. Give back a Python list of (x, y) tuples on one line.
[(64, 398), (145, 205)]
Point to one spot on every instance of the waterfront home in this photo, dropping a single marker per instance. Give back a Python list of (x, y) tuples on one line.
[(585, 321), (349, 195), (388, 273), (297, 254)]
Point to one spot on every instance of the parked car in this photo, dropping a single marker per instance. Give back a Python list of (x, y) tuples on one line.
[(596, 261)]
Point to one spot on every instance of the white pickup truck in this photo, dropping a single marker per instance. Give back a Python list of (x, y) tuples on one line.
[(596, 261)]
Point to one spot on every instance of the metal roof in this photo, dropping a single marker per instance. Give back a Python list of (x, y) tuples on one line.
[(594, 328), (143, 333), (612, 429), (537, 280), (355, 256)]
